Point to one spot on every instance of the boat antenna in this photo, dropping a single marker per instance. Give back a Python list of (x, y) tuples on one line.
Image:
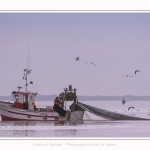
[(29, 70), (28, 59)]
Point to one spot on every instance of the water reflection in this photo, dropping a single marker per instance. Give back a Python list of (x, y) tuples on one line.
[(37, 128), (56, 129), (68, 123)]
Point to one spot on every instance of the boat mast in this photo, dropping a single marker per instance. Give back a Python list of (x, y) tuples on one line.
[(27, 70), (25, 74), (26, 78)]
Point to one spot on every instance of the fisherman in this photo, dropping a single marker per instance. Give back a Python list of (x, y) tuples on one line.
[(57, 101), (57, 107)]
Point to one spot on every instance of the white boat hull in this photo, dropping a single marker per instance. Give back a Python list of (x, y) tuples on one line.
[(8, 112)]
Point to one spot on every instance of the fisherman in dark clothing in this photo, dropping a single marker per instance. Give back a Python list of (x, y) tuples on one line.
[(57, 107), (57, 101)]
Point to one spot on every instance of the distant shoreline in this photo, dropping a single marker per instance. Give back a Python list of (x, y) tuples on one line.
[(86, 98)]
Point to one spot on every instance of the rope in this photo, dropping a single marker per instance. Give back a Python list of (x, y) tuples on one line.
[(88, 117), (21, 82), (32, 84)]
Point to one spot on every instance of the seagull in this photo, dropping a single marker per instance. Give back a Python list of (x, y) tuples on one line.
[(77, 58), (137, 71), (130, 108), (31, 82), (127, 75), (91, 63)]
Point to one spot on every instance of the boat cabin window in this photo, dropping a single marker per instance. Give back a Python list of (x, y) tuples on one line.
[(16, 98), (25, 98)]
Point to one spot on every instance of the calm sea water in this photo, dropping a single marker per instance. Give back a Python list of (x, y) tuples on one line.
[(91, 127)]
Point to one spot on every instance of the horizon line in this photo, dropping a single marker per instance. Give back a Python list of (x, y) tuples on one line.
[(88, 95)]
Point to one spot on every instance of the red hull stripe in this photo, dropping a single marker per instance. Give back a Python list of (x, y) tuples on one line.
[(32, 115), (13, 119)]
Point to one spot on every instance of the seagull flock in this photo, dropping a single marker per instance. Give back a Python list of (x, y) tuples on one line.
[(77, 59)]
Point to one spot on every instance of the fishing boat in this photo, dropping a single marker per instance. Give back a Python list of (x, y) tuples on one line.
[(24, 106)]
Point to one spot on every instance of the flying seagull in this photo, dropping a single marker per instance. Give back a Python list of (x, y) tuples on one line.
[(137, 71), (91, 63), (130, 108), (127, 75), (77, 58)]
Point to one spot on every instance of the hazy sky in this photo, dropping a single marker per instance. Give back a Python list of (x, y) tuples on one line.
[(118, 43)]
